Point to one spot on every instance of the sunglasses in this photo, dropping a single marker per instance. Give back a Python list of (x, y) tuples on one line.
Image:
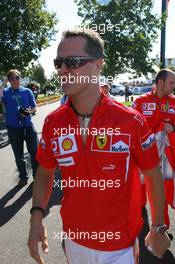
[(16, 78), (72, 62)]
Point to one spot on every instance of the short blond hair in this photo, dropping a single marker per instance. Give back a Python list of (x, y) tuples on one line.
[(13, 72)]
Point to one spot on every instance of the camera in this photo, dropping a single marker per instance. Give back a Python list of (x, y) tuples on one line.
[(24, 111)]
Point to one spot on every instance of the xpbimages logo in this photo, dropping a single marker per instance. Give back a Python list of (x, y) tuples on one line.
[(82, 131), (84, 235), (93, 183)]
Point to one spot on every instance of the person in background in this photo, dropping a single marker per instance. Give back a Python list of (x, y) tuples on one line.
[(100, 224), (105, 87), (35, 91), (158, 107), (20, 104)]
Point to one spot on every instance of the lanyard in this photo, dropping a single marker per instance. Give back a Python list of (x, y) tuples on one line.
[(16, 97)]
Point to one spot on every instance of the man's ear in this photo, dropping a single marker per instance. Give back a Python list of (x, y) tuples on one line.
[(100, 63), (160, 82)]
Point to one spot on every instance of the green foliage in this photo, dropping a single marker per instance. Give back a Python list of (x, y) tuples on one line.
[(54, 80), (129, 30), (36, 73), (44, 99), (127, 103), (26, 28)]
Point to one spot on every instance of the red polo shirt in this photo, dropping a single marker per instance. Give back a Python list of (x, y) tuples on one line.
[(101, 208), (156, 109)]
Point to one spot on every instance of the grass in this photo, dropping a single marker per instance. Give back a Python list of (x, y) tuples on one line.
[(127, 103), (42, 98)]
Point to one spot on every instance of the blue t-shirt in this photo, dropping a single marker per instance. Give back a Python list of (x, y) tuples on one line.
[(14, 99)]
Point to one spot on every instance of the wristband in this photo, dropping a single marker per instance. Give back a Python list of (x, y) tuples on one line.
[(159, 228), (37, 208)]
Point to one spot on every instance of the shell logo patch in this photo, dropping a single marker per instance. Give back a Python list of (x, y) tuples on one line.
[(151, 106), (67, 144), (101, 141)]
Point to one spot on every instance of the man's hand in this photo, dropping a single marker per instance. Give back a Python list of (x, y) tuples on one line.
[(136, 251), (5, 81), (37, 234), (168, 128), (158, 242), (2, 86), (24, 112)]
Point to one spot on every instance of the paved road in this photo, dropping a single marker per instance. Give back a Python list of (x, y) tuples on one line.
[(15, 204)]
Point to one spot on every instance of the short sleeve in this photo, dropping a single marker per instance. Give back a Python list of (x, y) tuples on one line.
[(145, 148), (44, 154), (137, 105), (32, 99)]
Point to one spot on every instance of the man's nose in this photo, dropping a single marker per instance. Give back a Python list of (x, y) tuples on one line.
[(63, 69)]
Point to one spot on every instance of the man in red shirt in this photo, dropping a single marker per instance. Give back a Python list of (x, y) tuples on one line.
[(98, 145), (158, 107)]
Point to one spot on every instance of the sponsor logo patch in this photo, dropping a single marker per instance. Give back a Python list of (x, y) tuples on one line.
[(101, 141), (147, 141), (171, 110), (69, 161), (111, 143), (144, 106), (133, 105), (120, 146), (147, 113), (151, 106), (67, 144)]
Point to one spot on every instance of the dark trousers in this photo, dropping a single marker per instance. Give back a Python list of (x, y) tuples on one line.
[(17, 136)]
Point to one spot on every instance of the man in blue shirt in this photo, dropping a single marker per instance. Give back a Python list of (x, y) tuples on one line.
[(19, 105)]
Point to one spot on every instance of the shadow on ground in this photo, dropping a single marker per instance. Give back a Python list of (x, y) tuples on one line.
[(3, 134), (57, 194), (8, 212)]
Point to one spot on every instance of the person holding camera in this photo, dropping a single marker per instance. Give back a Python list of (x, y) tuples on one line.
[(20, 105)]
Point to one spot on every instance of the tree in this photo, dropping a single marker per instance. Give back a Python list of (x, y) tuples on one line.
[(129, 30), (26, 28), (36, 73), (54, 80), (53, 83)]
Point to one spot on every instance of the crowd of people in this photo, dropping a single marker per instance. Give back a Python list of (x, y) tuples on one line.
[(115, 158)]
